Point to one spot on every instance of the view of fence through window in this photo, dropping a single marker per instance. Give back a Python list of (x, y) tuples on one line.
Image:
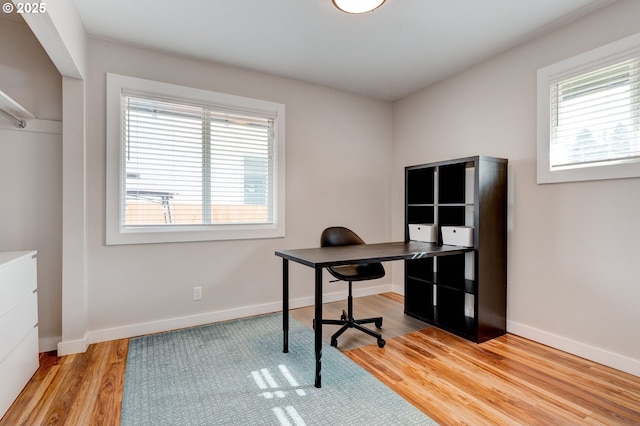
[(596, 116), (194, 165)]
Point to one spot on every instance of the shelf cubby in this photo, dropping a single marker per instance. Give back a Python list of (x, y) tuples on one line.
[(421, 187), (421, 214)]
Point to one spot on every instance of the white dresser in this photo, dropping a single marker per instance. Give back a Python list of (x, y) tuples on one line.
[(18, 324)]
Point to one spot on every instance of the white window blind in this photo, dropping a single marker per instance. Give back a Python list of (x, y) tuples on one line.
[(595, 117), (191, 164)]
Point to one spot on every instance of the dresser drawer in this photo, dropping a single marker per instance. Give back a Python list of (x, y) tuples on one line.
[(18, 279), (17, 369), (17, 323)]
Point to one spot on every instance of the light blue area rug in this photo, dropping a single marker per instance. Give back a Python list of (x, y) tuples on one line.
[(235, 373)]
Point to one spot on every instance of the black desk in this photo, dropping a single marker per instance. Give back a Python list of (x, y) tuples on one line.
[(319, 258)]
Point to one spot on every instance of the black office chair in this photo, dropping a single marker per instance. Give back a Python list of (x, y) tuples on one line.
[(340, 236)]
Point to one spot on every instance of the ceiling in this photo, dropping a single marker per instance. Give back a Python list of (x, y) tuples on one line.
[(401, 47)]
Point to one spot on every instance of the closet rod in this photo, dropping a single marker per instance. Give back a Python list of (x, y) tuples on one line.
[(18, 123)]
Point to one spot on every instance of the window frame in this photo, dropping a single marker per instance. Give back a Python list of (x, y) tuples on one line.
[(117, 233), (592, 60)]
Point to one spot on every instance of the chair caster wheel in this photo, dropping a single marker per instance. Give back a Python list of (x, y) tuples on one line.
[(381, 343), (334, 342), (343, 317), (378, 324)]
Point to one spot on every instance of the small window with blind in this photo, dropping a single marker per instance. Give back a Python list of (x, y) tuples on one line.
[(186, 164), (589, 115)]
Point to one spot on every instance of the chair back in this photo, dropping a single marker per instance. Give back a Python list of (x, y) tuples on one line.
[(339, 236)]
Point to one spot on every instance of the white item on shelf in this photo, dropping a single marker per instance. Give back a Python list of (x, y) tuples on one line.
[(457, 235), (425, 232)]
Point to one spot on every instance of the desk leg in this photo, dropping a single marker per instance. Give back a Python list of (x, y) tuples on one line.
[(285, 303), (318, 325)]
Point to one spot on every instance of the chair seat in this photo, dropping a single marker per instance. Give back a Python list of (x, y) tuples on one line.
[(362, 272)]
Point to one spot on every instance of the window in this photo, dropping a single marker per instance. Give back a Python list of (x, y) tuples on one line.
[(589, 115), (185, 164)]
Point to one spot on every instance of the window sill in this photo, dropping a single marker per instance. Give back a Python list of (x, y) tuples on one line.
[(175, 234)]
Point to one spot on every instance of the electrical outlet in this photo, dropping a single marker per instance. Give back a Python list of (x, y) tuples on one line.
[(197, 293)]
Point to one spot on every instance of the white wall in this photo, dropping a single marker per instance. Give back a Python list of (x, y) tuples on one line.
[(573, 277), (337, 172), (31, 168)]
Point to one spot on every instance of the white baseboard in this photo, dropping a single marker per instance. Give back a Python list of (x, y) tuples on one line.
[(211, 317), (601, 356), (619, 362), (48, 344), (357, 292), (399, 289), (159, 326), (72, 347)]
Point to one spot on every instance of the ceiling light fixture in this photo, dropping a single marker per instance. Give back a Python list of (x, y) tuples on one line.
[(357, 6)]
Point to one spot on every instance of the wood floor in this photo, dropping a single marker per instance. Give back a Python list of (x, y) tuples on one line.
[(395, 322), (81, 389), (506, 381)]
